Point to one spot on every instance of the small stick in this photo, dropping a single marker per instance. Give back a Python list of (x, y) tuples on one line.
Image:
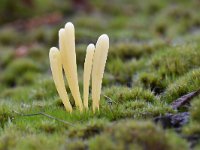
[(44, 114), (110, 100)]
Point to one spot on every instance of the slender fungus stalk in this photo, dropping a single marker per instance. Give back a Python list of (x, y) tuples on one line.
[(68, 57), (99, 61), (56, 68), (87, 72)]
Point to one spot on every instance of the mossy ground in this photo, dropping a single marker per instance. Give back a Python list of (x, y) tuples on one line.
[(153, 60)]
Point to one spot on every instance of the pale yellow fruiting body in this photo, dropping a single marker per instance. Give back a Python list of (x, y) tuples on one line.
[(68, 56), (56, 68), (94, 62), (87, 73), (99, 61)]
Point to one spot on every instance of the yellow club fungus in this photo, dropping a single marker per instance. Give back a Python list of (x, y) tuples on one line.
[(87, 73), (99, 61), (95, 61), (68, 57), (56, 68)]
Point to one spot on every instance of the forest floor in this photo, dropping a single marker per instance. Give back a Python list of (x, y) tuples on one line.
[(150, 87)]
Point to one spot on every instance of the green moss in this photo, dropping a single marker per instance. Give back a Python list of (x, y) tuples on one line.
[(7, 142), (20, 68), (89, 22), (172, 62), (13, 139), (6, 56), (43, 34), (132, 103), (123, 71), (184, 85), (165, 22), (194, 110), (44, 89), (75, 145), (152, 81), (197, 147), (91, 129), (39, 34), (124, 94), (8, 36), (39, 53), (102, 142), (48, 126), (108, 79), (81, 53), (118, 22), (141, 110), (130, 133), (84, 35), (5, 115), (193, 127), (134, 50), (15, 94)]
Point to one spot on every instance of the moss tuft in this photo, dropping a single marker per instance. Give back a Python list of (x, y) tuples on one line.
[(152, 81), (124, 94), (48, 127), (8, 36), (5, 115), (123, 71), (193, 128), (127, 134), (194, 110), (91, 129), (175, 61), (25, 68), (75, 145), (187, 83), (133, 50)]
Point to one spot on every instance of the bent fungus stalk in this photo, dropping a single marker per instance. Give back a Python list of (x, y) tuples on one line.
[(56, 68), (87, 73), (99, 61), (68, 56)]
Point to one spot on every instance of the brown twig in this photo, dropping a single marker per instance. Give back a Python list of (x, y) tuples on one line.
[(184, 99)]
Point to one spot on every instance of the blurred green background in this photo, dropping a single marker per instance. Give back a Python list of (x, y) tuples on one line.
[(153, 60), (136, 28)]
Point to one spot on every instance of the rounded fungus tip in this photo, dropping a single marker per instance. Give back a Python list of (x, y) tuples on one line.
[(104, 37), (104, 40), (61, 31), (53, 51), (69, 25), (90, 47)]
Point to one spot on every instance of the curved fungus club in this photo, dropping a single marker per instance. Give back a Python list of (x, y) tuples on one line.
[(56, 67), (87, 72), (65, 58)]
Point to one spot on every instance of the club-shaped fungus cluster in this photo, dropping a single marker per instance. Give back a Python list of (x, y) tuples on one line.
[(65, 58)]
